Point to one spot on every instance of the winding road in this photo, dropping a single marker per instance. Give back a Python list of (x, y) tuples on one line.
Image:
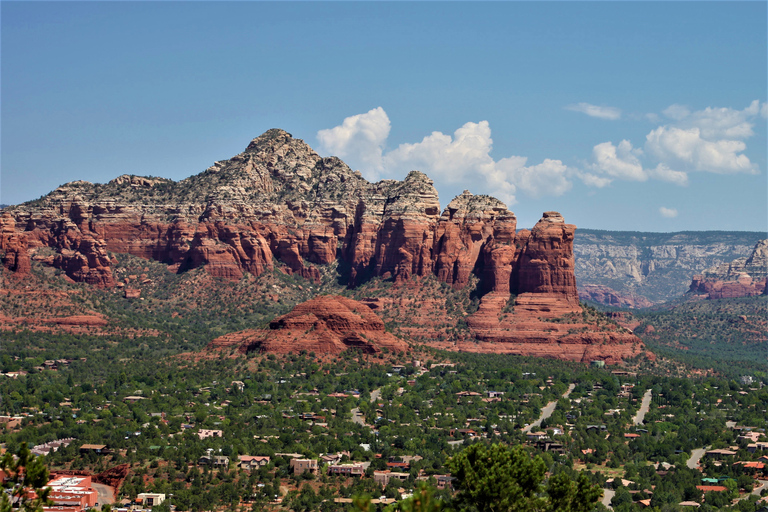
[(547, 411), (696, 455)]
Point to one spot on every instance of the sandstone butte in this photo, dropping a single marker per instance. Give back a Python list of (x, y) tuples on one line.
[(743, 277), (280, 203), (325, 325)]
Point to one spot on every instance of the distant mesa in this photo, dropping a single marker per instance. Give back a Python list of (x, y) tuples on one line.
[(327, 324), (743, 277)]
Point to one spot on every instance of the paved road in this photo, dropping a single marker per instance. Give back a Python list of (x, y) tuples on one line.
[(696, 456), (644, 406), (759, 488), (547, 411), (357, 416), (106, 494), (608, 495)]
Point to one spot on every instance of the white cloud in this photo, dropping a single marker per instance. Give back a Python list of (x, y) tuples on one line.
[(359, 139), (593, 180), (611, 113), (549, 178), (450, 159), (664, 173), (687, 147), (618, 162), (669, 213), (676, 112), (708, 140), (446, 158)]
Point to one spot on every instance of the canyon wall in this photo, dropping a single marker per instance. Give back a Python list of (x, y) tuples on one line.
[(637, 269)]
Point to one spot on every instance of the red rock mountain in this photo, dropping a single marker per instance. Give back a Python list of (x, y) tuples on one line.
[(326, 325), (280, 204), (743, 277)]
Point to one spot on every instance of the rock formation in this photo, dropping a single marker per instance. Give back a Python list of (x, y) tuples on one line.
[(743, 277), (279, 204), (325, 325)]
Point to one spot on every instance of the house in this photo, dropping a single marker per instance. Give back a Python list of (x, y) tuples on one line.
[(299, 466), (383, 477), (150, 499), (333, 458), (536, 436), (751, 467), (348, 469), (93, 448), (495, 394), (711, 488), (217, 460), (550, 446), (206, 433), (719, 453), (250, 462), (753, 447), (72, 491)]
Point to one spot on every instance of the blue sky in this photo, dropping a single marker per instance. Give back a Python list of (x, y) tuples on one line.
[(645, 116)]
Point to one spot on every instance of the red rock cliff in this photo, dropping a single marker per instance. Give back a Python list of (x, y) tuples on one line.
[(279, 202)]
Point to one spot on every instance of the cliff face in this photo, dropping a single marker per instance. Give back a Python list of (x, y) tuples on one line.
[(280, 203), (742, 277), (640, 269)]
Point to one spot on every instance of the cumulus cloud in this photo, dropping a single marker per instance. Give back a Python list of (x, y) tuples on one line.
[(619, 161), (688, 147), (611, 113), (466, 155), (669, 213), (360, 139), (709, 140), (447, 158)]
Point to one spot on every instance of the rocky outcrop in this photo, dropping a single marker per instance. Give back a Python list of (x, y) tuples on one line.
[(279, 203), (654, 266), (743, 277), (610, 297), (323, 325)]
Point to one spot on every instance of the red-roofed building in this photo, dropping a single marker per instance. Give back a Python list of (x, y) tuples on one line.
[(711, 488)]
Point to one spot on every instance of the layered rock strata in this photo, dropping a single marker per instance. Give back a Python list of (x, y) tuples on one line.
[(743, 277), (280, 203), (324, 325)]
